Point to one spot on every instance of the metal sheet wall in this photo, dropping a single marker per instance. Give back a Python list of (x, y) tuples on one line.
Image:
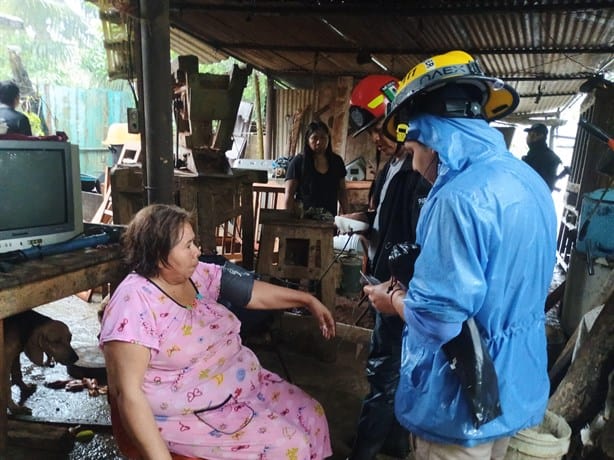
[(328, 101), (85, 115), (291, 105)]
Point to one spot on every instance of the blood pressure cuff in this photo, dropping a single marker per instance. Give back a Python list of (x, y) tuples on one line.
[(471, 362), (236, 285)]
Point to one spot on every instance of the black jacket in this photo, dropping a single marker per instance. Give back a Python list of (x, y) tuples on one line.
[(399, 213), (16, 121), (544, 161)]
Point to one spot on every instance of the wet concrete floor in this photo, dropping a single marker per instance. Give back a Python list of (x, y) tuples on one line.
[(338, 385)]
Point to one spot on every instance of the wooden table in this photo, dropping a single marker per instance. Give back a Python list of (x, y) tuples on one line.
[(37, 282), (304, 250)]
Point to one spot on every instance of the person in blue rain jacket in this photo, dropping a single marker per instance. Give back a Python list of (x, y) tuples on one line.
[(487, 234)]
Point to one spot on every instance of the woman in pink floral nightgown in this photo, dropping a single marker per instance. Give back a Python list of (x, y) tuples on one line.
[(182, 380)]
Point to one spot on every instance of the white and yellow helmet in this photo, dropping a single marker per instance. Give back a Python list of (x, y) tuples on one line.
[(449, 85)]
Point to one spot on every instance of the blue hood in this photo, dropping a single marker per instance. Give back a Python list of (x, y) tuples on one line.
[(458, 142), (488, 238)]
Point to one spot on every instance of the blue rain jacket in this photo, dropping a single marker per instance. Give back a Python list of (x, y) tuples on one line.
[(488, 238)]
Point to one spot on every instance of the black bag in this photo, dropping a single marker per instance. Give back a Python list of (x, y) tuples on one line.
[(467, 353), (471, 362)]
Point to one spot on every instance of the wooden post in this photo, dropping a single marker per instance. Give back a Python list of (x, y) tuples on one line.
[(258, 104)]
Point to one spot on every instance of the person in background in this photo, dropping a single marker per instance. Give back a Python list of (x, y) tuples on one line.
[(16, 121), (541, 158), (474, 261), (398, 194), (317, 176), (180, 377)]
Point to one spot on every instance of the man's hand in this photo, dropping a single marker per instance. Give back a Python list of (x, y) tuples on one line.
[(385, 297), (566, 170)]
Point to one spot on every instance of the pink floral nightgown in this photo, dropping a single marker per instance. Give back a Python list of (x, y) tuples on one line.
[(209, 394)]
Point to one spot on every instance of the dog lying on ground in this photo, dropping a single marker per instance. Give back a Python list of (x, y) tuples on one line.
[(36, 335)]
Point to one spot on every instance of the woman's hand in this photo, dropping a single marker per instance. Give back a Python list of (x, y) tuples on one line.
[(324, 317), (267, 296), (387, 298)]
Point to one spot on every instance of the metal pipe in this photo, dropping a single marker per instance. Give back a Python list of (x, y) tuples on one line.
[(155, 51)]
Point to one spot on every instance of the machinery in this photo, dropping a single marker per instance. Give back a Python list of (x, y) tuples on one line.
[(205, 109)]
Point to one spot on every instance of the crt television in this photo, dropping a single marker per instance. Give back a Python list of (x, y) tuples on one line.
[(40, 193)]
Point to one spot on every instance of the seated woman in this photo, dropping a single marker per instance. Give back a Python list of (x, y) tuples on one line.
[(181, 378)]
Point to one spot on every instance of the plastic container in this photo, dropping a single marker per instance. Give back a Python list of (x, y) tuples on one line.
[(348, 244), (547, 441), (347, 225), (350, 275)]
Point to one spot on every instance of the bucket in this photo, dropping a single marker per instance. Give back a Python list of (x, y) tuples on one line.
[(547, 441), (350, 275)]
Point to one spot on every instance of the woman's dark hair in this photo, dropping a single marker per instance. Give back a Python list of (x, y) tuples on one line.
[(8, 92), (308, 164), (151, 235)]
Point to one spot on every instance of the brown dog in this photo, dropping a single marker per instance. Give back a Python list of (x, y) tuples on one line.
[(36, 335)]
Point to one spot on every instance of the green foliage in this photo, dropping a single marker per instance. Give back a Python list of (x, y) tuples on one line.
[(60, 42), (35, 123), (249, 93)]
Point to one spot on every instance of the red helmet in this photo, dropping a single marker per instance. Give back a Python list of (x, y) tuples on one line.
[(369, 100)]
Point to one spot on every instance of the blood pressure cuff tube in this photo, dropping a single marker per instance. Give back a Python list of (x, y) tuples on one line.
[(236, 285)]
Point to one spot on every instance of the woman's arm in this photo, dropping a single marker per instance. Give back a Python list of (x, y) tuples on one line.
[(126, 364), (290, 187), (342, 196), (266, 296)]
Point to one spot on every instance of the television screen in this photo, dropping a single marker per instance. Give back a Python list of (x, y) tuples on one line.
[(35, 176), (40, 193)]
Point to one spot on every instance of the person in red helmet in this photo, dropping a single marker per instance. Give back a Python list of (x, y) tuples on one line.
[(397, 195)]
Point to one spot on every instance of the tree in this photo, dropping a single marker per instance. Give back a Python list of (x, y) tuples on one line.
[(60, 42)]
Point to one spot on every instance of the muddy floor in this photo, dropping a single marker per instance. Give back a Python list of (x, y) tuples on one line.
[(338, 385)]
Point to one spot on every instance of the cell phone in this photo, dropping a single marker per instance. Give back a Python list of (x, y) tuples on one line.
[(368, 279)]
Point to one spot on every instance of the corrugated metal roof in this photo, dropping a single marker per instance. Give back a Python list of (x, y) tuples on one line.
[(545, 49), (183, 43)]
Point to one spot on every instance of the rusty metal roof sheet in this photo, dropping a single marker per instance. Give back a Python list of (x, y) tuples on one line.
[(545, 49)]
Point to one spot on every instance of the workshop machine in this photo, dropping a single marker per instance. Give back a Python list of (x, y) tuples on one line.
[(205, 109)]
